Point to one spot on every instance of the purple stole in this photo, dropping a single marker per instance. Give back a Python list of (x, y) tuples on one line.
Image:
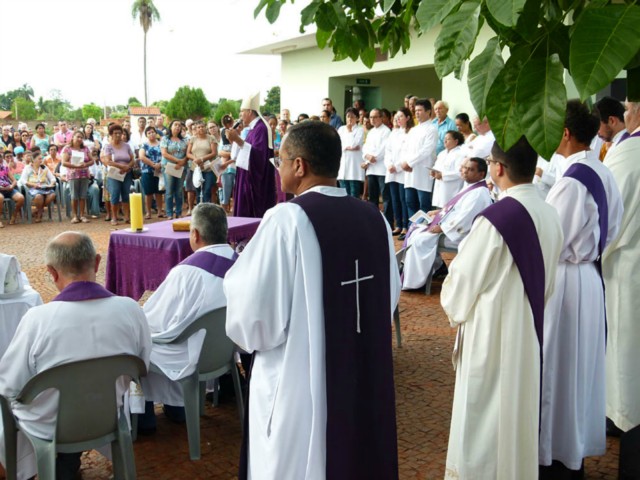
[(78, 291), (210, 262), (446, 209), (361, 421), (626, 135), (518, 231)]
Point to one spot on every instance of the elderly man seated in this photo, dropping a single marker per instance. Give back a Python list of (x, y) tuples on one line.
[(448, 226), (192, 288), (84, 321)]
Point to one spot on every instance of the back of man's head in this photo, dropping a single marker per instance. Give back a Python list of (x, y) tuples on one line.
[(520, 160), (581, 123), (211, 222), (609, 107), (71, 254), (318, 144)]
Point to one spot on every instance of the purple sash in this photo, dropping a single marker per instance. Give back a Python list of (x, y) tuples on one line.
[(518, 231), (626, 135), (444, 210), (78, 291), (210, 262)]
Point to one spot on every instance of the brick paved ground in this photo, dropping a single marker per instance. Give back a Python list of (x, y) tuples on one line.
[(424, 388)]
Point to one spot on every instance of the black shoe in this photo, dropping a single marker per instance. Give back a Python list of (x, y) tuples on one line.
[(442, 272), (397, 231), (612, 429), (402, 236)]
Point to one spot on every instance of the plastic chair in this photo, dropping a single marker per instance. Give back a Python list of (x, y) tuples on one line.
[(400, 254), (55, 203), (216, 359), (441, 249), (88, 415)]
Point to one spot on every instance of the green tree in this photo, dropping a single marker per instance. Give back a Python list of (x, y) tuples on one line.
[(188, 103), (161, 104), (24, 109), (91, 111), (73, 116), (272, 102), (524, 95), (6, 99), (225, 106), (147, 13), (134, 102)]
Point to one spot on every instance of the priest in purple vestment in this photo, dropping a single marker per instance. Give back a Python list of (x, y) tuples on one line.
[(255, 189), (314, 303)]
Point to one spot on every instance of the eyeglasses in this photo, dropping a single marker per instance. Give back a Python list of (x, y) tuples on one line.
[(490, 160)]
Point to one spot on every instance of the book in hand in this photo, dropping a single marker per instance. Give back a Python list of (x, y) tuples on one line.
[(77, 158), (116, 174), (421, 217), (173, 170)]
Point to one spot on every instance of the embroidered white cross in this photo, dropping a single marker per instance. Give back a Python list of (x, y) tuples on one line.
[(357, 281)]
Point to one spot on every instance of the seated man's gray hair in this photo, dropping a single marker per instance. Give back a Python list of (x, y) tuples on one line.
[(71, 257), (211, 222)]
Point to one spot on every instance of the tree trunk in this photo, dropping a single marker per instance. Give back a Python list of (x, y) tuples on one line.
[(146, 103)]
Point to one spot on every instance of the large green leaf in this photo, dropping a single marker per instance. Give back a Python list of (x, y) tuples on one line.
[(386, 5), (308, 12), (431, 12), (541, 102), (506, 12), (603, 41), (483, 69), (273, 11), (456, 38)]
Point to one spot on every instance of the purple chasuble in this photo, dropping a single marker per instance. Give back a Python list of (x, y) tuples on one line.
[(255, 189), (210, 262), (518, 231), (78, 291), (361, 420), (444, 210)]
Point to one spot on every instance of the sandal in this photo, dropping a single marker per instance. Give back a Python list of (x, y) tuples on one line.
[(13, 220), (162, 215), (114, 222), (147, 216), (84, 219), (107, 219), (75, 220), (127, 220)]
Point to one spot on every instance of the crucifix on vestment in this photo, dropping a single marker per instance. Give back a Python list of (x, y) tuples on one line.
[(357, 281)]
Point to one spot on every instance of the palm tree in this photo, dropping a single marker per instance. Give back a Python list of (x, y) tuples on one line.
[(147, 12)]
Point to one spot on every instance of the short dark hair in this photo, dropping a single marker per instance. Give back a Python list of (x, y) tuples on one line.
[(115, 127), (464, 118), (581, 123), (606, 107), (351, 110), (39, 125), (318, 144), (424, 103), (520, 160), (408, 96), (148, 129), (456, 135), (481, 163), (211, 222)]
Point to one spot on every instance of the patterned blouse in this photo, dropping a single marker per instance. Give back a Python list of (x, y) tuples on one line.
[(154, 154), (177, 149)]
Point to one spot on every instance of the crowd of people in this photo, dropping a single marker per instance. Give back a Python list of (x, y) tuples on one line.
[(545, 364)]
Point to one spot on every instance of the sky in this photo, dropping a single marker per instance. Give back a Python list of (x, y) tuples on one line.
[(92, 50)]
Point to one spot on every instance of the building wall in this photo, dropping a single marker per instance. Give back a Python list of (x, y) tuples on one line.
[(308, 75)]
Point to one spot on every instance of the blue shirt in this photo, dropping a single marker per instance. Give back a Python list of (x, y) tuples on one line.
[(335, 121), (443, 128)]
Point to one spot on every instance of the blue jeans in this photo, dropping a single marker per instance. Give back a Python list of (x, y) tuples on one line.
[(119, 191), (173, 194), (417, 200), (228, 179), (208, 186), (399, 204), (353, 187)]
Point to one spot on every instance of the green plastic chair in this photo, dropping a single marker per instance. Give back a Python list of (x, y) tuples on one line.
[(400, 254), (216, 359), (88, 415)]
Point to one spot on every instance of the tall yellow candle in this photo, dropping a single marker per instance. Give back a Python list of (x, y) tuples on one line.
[(135, 204)]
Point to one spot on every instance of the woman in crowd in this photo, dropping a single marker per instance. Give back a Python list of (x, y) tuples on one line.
[(352, 138), (52, 160), (228, 177), (17, 141), (151, 158), (7, 137), (446, 170), (174, 158), (395, 175), (202, 151), (9, 189), (77, 160), (40, 139), (118, 157), (40, 184), (464, 127), (90, 140)]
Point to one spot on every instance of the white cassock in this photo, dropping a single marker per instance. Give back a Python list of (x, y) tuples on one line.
[(57, 333), (545, 181), (275, 308), (480, 146), (185, 295), (614, 143), (573, 383), (375, 146), (621, 263), (350, 168), (494, 424), (419, 259), (392, 156), (448, 163), (419, 151)]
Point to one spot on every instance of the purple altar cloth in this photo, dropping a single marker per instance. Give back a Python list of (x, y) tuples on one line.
[(137, 262)]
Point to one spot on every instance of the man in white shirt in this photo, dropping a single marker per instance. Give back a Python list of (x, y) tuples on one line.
[(192, 288), (612, 126), (293, 300), (84, 321), (373, 156), (448, 227), (423, 140), (137, 135)]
